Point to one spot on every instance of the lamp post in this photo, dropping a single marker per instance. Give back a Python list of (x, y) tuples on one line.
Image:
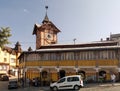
[(74, 40)]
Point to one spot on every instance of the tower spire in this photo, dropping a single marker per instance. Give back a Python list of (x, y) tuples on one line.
[(46, 19)]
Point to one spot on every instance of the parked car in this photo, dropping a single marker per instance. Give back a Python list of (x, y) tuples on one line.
[(69, 82), (13, 85), (4, 78)]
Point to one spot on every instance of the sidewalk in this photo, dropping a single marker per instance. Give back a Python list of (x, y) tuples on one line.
[(31, 88), (90, 85), (101, 84)]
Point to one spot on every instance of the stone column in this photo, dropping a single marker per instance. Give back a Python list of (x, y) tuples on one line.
[(40, 69), (97, 74), (24, 75), (119, 74), (58, 73), (76, 70), (18, 74)]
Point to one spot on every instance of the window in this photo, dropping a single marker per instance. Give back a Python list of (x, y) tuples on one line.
[(58, 56), (77, 56), (70, 79), (84, 56), (53, 56), (68, 56), (46, 56), (113, 55), (105, 54), (12, 60), (110, 54), (63, 56), (62, 80), (81, 55), (5, 59), (75, 79)]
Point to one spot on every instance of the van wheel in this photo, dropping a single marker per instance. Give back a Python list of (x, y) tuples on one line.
[(76, 87), (55, 89)]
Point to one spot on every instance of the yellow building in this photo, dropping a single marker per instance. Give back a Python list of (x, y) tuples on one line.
[(51, 61), (8, 59)]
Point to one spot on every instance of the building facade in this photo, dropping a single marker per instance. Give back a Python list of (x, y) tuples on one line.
[(51, 61), (9, 59)]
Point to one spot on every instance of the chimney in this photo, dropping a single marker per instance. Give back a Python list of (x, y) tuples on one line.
[(107, 39), (101, 39)]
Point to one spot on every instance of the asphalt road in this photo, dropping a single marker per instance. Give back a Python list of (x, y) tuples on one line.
[(89, 87), (4, 87)]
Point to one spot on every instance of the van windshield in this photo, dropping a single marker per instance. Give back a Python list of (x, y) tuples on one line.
[(61, 80)]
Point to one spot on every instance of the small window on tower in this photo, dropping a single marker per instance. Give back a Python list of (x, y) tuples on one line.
[(5, 59)]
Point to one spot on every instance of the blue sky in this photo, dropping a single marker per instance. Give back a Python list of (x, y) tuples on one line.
[(85, 20)]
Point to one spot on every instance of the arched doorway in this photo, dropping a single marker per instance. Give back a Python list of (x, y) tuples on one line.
[(32, 73), (82, 73), (102, 76), (62, 73), (44, 75)]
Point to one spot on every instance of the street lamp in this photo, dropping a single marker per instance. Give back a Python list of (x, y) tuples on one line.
[(74, 40)]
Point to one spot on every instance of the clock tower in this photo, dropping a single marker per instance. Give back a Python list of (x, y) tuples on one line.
[(46, 33)]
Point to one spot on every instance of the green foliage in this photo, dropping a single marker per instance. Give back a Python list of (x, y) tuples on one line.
[(4, 35)]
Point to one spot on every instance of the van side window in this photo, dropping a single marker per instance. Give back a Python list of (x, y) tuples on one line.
[(61, 81), (70, 79), (75, 78)]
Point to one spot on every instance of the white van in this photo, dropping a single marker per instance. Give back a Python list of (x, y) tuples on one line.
[(68, 82)]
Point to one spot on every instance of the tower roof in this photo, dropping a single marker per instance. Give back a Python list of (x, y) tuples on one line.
[(46, 19), (46, 23)]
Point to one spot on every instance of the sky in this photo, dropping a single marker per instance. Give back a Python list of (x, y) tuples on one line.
[(83, 20)]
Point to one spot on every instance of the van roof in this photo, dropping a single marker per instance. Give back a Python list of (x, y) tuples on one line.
[(73, 76)]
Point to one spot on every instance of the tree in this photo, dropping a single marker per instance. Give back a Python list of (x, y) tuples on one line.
[(4, 35)]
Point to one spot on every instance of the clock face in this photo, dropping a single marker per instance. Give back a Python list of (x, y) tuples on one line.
[(49, 36)]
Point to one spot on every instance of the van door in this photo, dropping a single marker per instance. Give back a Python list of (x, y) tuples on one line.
[(70, 82), (61, 84)]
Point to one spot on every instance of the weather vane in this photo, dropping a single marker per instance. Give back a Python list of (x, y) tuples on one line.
[(46, 7)]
